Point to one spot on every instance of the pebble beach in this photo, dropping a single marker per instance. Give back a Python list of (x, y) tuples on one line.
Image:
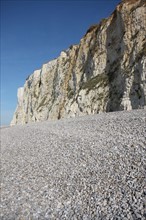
[(90, 167)]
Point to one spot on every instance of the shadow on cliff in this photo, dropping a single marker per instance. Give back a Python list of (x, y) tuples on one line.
[(118, 72), (92, 49), (115, 52), (137, 94)]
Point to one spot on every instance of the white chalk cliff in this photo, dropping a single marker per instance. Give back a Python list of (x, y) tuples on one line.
[(105, 72)]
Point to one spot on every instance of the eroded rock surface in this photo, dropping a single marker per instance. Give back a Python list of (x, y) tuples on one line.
[(104, 72)]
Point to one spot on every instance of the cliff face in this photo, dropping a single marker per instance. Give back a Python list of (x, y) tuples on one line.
[(105, 72)]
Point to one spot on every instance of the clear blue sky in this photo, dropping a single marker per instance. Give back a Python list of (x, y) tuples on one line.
[(36, 31)]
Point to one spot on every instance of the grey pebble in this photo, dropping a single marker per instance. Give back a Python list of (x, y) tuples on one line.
[(90, 167)]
